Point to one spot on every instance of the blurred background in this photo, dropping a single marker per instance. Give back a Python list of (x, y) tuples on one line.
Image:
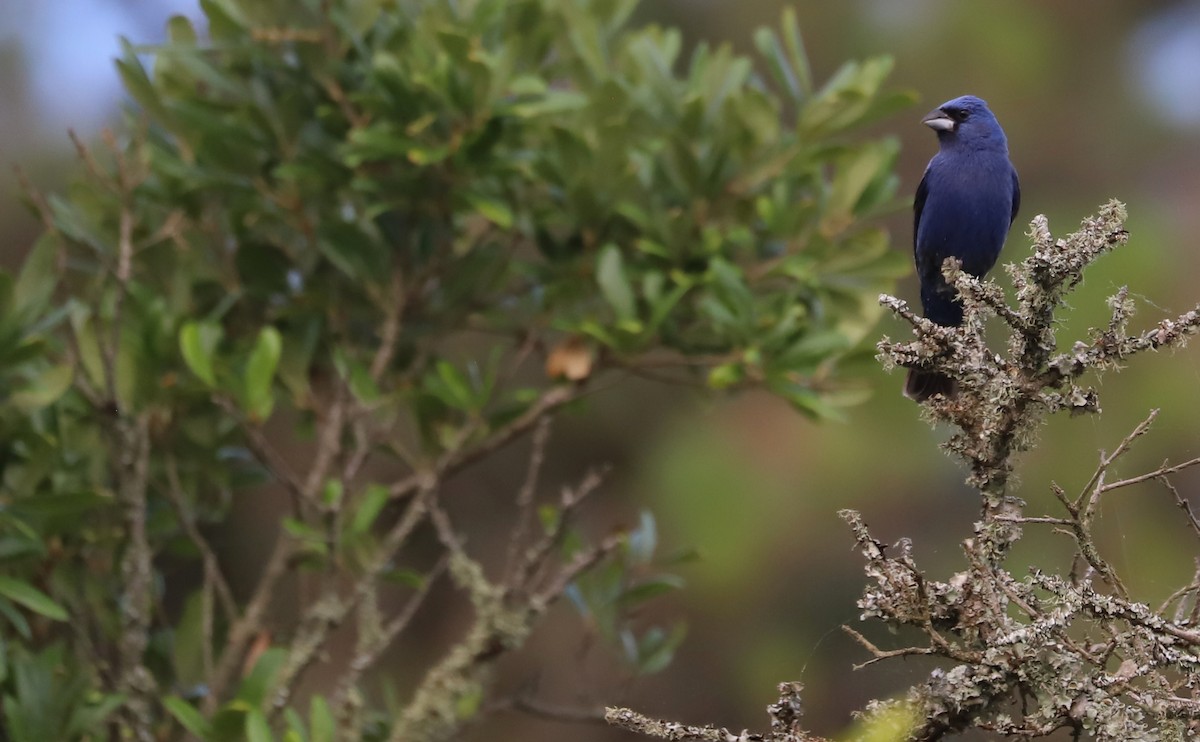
[(1098, 100)]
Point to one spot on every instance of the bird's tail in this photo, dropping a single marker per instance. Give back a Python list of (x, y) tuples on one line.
[(921, 385)]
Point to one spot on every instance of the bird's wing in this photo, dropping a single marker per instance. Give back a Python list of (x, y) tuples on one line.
[(919, 205), (1016, 204)]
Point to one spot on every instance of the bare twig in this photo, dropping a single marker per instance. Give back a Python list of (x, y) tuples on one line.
[(389, 334), (526, 514), (264, 451), (187, 521), (1183, 505), (525, 572), (882, 654), (457, 458), (1158, 473), (330, 429), (553, 712), (242, 631), (1090, 493)]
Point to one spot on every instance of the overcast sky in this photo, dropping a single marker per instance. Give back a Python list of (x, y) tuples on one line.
[(68, 46)]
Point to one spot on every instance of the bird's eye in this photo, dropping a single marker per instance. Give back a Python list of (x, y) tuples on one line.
[(960, 115)]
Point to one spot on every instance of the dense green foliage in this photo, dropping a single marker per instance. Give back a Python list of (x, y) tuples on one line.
[(370, 226)]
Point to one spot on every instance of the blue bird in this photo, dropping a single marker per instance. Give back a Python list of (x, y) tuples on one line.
[(965, 204)]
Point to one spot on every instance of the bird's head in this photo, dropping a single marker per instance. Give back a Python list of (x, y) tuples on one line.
[(965, 119)]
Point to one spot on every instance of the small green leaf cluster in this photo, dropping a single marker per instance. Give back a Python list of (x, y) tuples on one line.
[(608, 599)]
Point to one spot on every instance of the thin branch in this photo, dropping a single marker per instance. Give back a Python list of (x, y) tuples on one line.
[(526, 570), (389, 334), (329, 442), (1183, 505), (1158, 473), (264, 451), (1026, 519), (37, 198), (526, 513), (1085, 502), (580, 563), (457, 458), (329, 434), (878, 654), (552, 712), (187, 521), (669, 730), (371, 649), (242, 631)]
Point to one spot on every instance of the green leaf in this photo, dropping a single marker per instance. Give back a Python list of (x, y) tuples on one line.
[(88, 718), (332, 492), (373, 501), (16, 618), (805, 399), (553, 102), (138, 84), (495, 211), (769, 46), (187, 647), (32, 598), (39, 275), (260, 373), (449, 385), (405, 576), (180, 31), (188, 716), (44, 389), (226, 20), (313, 539), (322, 726), (295, 731), (354, 249), (257, 728), (725, 375), (198, 342), (261, 679), (549, 517), (614, 283), (649, 588), (657, 648), (643, 540), (858, 170), (794, 43)]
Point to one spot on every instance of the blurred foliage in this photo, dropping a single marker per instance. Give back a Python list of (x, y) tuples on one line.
[(362, 222)]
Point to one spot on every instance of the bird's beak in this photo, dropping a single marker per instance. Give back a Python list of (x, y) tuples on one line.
[(938, 120)]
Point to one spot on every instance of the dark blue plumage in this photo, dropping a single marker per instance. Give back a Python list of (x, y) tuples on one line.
[(965, 204)]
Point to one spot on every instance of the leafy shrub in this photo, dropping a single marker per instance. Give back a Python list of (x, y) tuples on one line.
[(396, 235)]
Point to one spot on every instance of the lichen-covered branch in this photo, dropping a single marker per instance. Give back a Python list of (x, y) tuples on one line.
[(506, 612), (1078, 652), (784, 717), (1064, 646), (1005, 396)]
